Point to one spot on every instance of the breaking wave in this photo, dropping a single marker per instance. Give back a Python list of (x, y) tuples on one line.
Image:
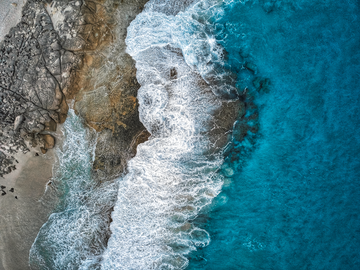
[(174, 175), (76, 233)]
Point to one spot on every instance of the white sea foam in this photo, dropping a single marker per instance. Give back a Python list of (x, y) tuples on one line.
[(190, 31), (76, 234), (172, 178), (173, 175)]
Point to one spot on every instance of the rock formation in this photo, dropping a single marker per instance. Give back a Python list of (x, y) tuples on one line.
[(49, 60), (33, 68)]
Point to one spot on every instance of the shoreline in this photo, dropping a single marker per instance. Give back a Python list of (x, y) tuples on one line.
[(22, 218)]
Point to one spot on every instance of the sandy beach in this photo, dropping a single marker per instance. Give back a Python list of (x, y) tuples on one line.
[(21, 218)]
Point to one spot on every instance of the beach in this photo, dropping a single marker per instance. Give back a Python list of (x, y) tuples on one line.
[(21, 218)]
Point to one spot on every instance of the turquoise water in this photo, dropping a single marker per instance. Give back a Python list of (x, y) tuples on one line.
[(295, 202)]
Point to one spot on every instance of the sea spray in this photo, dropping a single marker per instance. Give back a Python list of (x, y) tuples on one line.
[(76, 233), (175, 173)]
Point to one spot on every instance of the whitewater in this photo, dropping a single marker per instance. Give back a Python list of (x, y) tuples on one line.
[(185, 86), (175, 174), (280, 191)]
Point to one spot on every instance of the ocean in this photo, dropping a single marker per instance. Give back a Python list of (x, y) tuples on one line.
[(282, 194), (294, 203)]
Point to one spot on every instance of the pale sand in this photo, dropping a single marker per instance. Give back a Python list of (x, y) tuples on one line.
[(10, 15), (22, 218)]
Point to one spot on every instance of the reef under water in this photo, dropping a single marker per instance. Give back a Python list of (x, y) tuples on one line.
[(252, 162), (293, 203)]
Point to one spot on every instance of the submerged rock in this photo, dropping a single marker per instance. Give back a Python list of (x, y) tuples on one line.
[(227, 170), (262, 84), (251, 66), (269, 6), (240, 130)]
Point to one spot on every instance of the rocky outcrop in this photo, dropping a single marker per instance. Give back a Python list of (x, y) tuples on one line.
[(106, 88), (63, 51), (32, 68), (89, 67)]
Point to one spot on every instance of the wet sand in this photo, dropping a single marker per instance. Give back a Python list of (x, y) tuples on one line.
[(21, 219)]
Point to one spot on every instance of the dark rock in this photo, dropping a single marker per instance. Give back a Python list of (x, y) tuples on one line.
[(2, 187), (36, 154), (33, 73), (269, 7), (173, 73), (3, 193), (16, 197), (11, 190), (262, 84), (251, 66)]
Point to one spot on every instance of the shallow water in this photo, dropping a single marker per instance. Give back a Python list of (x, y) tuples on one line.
[(76, 233)]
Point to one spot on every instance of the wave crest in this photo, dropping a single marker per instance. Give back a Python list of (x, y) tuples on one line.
[(173, 175)]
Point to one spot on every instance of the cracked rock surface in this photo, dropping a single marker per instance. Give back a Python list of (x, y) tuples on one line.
[(62, 52), (34, 68), (70, 51)]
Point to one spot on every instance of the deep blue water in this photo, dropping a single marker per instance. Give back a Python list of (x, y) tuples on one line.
[(295, 202)]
